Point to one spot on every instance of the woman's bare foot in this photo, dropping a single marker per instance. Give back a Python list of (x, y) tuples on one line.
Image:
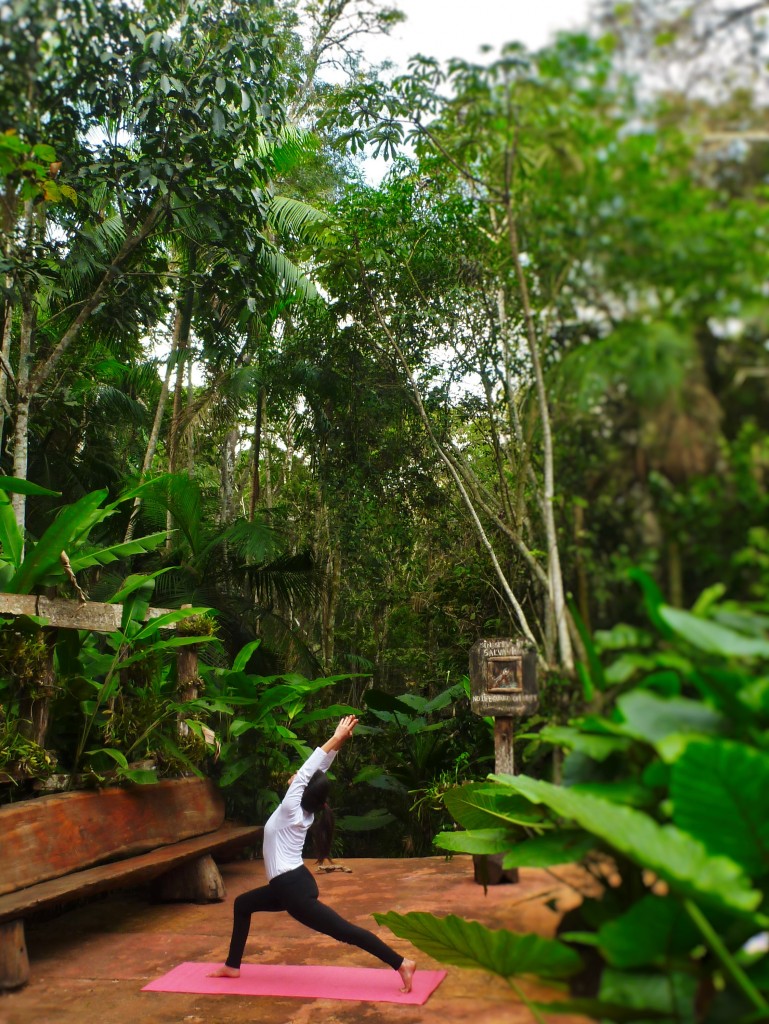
[(406, 971), (224, 972)]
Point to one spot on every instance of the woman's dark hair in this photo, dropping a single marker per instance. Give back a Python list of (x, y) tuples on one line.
[(314, 800)]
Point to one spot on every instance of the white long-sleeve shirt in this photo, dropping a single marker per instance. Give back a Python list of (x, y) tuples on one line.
[(287, 826)]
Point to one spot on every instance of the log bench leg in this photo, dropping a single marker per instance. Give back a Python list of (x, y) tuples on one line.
[(197, 881), (14, 962)]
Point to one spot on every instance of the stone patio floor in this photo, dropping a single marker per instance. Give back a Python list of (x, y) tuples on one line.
[(88, 964)]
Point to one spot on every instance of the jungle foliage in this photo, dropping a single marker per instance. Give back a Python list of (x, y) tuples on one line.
[(338, 429)]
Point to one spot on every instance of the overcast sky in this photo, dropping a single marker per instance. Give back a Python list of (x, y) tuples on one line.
[(459, 28)]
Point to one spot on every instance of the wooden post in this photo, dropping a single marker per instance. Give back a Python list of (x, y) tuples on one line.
[(198, 881), (14, 962), (35, 709), (504, 759), (491, 872), (187, 677), (503, 677)]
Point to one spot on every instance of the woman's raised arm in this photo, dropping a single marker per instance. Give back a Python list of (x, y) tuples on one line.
[(342, 733)]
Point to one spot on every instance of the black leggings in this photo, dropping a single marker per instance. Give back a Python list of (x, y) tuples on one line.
[(297, 893)]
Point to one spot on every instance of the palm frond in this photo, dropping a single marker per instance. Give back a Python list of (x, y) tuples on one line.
[(287, 148), (292, 216), (253, 542), (288, 277), (116, 406), (180, 495), (291, 578)]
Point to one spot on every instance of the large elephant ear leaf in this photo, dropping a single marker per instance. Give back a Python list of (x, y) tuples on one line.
[(478, 840), (707, 635), (678, 858), (720, 793), (652, 718), (480, 805), (564, 846), (653, 929), (453, 940)]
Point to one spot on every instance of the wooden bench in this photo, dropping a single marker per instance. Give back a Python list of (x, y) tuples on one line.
[(56, 849)]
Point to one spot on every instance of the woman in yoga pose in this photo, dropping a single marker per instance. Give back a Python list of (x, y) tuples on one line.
[(290, 886)]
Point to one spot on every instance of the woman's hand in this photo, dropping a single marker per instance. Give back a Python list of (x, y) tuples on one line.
[(342, 733), (346, 727)]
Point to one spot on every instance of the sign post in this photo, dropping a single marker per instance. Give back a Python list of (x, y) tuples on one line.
[(503, 680)]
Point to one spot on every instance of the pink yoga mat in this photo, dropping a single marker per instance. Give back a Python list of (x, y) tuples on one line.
[(372, 984)]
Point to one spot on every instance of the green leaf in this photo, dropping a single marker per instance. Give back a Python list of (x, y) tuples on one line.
[(368, 822), (592, 674), (103, 556), (651, 718), (72, 522), (331, 712), (667, 993), (378, 700), (162, 645), (14, 485), (626, 666), (480, 805), (453, 940), (141, 776), (720, 791), (45, 153), (136, 582), (479, 840), (567, 846), (117, 756), (159, 622), (596, 747), (373, 776), (709, 636), (11, 541), (675, 856), (598, 1009), (234, 771), (654, 929), (652, 598), (244, 656), (627, 792)]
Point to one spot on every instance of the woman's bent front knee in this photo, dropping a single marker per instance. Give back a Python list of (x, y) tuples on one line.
[(241, 906)]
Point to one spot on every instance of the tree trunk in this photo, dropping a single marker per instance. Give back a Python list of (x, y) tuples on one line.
[(557, 593), (583, 595), (288, 459), (23, 371), (21, 424), (34, 710), (5, 358), (255, 455), (182, 327), (266, 461), (152, 444), (227, 477), (187, 679), (190, 402), (675, 575)]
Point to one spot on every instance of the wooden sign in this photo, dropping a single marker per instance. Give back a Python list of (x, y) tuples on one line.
[(503, 678)]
